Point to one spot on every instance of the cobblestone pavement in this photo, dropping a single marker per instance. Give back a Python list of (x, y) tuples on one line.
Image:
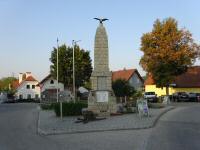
[(49, 124)]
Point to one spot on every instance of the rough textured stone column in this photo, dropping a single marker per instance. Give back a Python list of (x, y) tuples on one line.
[(101, 49), (101, 76)]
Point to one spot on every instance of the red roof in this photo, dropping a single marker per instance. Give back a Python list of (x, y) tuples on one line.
[(30, 78), (149, 80), (16, 84), (125, 74), (189, 79)]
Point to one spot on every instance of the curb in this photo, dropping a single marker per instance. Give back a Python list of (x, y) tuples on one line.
[(40, 131), (160, 115), (43, 133)]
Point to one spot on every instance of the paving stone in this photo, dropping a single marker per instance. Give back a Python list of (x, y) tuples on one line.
[(50, 124)]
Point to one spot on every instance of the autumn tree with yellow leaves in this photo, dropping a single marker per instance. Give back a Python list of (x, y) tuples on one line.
[(168, 51)]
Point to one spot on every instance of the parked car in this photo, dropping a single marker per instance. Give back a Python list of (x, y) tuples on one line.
[(193, 97), (150, 96), (198, 97), (180, 96)]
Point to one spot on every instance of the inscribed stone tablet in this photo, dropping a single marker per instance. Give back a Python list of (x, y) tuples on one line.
[(102, 96)]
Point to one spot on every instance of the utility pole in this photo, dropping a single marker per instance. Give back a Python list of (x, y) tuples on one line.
[(61, 112), (57, 68), (74, 84)]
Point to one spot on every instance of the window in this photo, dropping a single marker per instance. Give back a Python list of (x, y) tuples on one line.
[(33, 86), (51, 82), (28, 86), (29, 96)]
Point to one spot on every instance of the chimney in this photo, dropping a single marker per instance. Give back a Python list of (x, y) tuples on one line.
[(28, 74), (20, 77)]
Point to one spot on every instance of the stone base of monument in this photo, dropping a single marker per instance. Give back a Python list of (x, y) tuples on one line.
[(88, 116), (102, 103)]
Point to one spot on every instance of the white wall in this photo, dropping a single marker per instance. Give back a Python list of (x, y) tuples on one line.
[(22, 90), (47, 85), (136, 82)]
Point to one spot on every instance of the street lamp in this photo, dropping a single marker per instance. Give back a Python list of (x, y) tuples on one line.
[(57, 68), (73, 45), (61, 112)]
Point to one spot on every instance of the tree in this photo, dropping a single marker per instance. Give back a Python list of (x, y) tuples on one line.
[(122, 88), (168, 51), (83, 66), (5, 83)]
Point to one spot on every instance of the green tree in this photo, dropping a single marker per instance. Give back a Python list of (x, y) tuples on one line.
[(1, 85), (168, 51), (5, 83), (122, 88), (83, 65)]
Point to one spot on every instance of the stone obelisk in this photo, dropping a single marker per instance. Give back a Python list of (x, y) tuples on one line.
[(101, 98)]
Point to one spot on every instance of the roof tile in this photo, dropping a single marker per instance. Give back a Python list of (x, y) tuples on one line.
[(125, 74), (191, 78)]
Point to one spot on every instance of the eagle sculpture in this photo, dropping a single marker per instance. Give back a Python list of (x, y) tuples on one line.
[(101, 19)]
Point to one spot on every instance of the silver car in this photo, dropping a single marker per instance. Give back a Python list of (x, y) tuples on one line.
[(150, 96)]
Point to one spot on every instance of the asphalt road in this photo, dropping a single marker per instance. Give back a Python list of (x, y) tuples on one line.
[(18, 126), (18, 131), (178, 129)]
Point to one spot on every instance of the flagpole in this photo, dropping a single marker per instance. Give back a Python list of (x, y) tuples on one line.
[(73, 42), (57, 68), (74, 80)]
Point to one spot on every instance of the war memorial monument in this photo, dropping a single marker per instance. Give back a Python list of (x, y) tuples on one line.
[(102, 100)]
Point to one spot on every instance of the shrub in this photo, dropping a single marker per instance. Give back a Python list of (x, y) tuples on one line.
[(129, 110), (49, 106), (27, 101), (69, 108), (138, 94), (132, 103), (156, 105)]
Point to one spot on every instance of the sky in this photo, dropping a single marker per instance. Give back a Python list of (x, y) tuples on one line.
[(29, 29)]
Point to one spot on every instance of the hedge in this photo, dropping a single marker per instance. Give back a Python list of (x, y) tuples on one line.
[(69, 108), (47, 106)]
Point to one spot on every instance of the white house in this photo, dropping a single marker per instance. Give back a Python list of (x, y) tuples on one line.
[(49, 87), (26, 87), (49, 84)]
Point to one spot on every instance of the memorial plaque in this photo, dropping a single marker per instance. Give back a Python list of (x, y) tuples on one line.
[(102, 96)]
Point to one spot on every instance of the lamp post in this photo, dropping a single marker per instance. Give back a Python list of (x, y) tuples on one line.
[(61, 113), (74, 89), (57, 68)]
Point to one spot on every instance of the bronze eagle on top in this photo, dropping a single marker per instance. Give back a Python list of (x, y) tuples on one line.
[(101, 19)]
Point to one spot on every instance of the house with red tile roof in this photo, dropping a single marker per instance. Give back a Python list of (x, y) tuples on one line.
[(186, 82), (26, 87), (130, 75)]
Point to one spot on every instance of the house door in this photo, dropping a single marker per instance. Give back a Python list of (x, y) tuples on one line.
[(29, 96), (20, 96)]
